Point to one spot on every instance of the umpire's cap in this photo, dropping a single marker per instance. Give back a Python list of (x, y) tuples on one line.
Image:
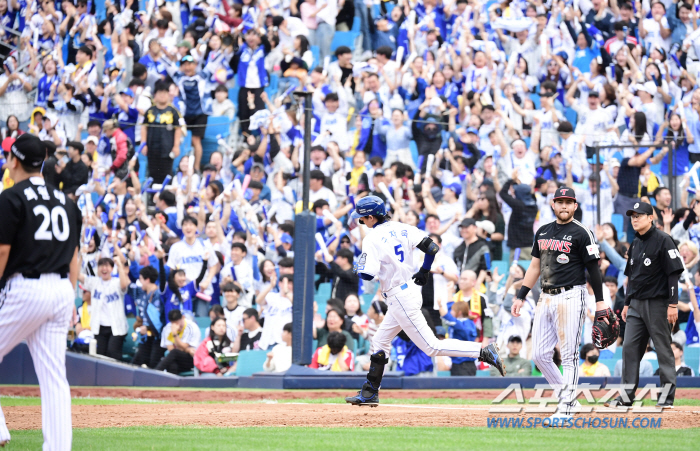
[(30, 150), (369, 206), (641, 208), (565, 193)]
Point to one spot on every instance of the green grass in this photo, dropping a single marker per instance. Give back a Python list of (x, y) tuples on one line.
[(6, 401), (385, 439)]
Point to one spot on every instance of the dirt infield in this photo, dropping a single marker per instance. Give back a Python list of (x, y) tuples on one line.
[(311, 415), (290, 414), (226, 396)]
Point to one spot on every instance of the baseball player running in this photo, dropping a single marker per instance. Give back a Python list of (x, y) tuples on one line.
[(561, 252), (388, 255), (39, 235)]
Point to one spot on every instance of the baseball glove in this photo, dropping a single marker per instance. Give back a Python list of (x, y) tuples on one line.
[(605, 334)]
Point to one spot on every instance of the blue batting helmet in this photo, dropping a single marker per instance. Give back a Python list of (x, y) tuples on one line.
[(370, 205)]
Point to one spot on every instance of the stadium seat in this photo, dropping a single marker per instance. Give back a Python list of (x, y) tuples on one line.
[(503, 268), (250, 362), (271, 88), (571, 116), (524, 263), (129, 346), (692, 358), (443, 374), (315, 51), (619, 222), (216, 127), (324, 290), (233, 95), (366, 301), (483, 373), (202, 322), (536, 100), (610, 363)]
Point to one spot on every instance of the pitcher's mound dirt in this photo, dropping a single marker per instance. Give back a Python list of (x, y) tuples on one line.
[(313, 415)]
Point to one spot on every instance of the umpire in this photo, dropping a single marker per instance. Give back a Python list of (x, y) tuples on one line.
[(651, 303)]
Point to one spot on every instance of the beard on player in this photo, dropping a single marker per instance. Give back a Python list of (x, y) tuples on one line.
[(564, 210)]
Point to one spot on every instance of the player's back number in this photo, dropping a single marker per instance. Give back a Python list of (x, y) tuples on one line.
[(56, 220)]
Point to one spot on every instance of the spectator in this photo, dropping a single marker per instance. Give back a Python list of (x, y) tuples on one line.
[(249, 64), (107, 307), (681, 368), (469, 255), (232, 310), (121, 148), (591, 367), (249, 340), (519, 197), (335, 322), (180, 338), (161, 134), (333, 356), (517, 366), (209, 353), (460, 327), (150, 319), (279, 359), (278, 310), (72, 173)]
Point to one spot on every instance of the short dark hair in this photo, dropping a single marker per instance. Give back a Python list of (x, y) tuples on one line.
[(286, 262), (287, 327), (610, 279), (287, 277), (317, 175), (549, 86), (161, 86), (168, 197), (659, 189), (139, 70), (191, 219), (677, 345), (252, 313), (94, 123), (336, 341), (149, 273), (86, 50), (319, 204), (342, 50), (240, 246), (174, 315), (105, 261), (385, 50), (225, 288), (331, 96), (585, 349), (346, 254)]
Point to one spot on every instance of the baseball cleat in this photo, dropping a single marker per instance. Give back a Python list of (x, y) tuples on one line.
[(490, 355), (665, 405), (364, 397), (617, 402)]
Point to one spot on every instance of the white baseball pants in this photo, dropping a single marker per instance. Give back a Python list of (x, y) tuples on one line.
[(404, 312), (39, 311), (559, 319)]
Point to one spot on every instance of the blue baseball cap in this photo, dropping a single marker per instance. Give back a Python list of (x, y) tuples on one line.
[(456, 187), (594, 159), (472, 130), (128, 92), (286, 238)]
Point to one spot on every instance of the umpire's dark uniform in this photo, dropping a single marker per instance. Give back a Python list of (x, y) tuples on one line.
[(653, 269)]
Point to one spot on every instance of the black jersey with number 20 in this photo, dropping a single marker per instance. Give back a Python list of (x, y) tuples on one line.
[(564, 250), (42, 226)]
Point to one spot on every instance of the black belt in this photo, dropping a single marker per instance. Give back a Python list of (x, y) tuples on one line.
[(36, 275), (557, 290)]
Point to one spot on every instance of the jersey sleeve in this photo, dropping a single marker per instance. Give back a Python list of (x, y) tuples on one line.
[(588, 246), (369, 261), (415, 235), (89, 283), (11, 207), (173, 257), (671, 257), (535, 245)]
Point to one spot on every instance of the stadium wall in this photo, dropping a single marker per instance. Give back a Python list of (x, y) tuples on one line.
[(83, 370)]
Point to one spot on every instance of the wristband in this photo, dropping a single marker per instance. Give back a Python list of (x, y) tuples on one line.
[(673, 306), (522, 293)]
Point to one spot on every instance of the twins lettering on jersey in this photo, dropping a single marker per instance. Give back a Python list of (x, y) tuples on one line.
[(554, 245)]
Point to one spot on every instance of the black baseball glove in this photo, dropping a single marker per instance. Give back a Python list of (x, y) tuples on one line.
[(421, 277), (605, 333)]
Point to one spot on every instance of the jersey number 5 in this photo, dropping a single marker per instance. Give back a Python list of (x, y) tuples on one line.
[(60, 229), (399, 252)]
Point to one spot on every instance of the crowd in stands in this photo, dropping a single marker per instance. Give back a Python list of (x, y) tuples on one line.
[(175, 127)]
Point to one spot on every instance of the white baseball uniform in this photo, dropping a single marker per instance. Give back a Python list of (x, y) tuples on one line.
[(388, 256)]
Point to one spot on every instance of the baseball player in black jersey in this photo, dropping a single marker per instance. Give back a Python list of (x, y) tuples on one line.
[(562, 251), (39, 235)]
